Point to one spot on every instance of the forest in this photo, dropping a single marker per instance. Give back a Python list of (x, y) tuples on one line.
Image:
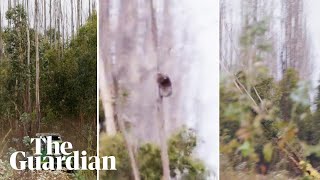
[(269, 90), (48, 72)]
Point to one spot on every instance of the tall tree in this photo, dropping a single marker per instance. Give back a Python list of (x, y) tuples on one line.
[(89, 7), (62, 29), (55, 23), (295, 50), (28, 94), (78, 14), (38, 114), (160, 113), (50, 19), (72, 20), (109, 84), (45, 17), (0, 33)]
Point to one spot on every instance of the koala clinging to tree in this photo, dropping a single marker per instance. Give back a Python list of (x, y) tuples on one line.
[(165, 86)]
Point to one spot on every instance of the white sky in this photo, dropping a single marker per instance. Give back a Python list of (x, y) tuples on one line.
[(313, 24), (66, 10), (200, 21)]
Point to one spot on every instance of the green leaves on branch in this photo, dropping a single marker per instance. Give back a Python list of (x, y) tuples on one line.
[(182, 162)]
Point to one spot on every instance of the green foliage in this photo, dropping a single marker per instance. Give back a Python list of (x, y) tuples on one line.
[(85, 174), (67, 78), (248, 132), (13, 68), (150, 162), (115, 146), (287, 85), (252, 32), (67, 84), (181, 146), (268, 151), (260, 117), (70, 83), (254, 39)]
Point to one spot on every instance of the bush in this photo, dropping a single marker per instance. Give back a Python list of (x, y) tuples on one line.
[(180, 147)]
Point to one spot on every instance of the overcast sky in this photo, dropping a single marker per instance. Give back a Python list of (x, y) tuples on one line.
[(66, 8)]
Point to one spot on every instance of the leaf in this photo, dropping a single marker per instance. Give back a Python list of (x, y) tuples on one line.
[(267, 152), (246, 149)]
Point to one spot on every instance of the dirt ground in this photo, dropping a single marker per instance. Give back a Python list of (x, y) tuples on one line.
[(7, 173)]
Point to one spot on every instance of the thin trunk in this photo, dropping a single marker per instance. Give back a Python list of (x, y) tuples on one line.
[(163, 139), (72, 22), (78, 14), (104, 67), (29, 74), (134, 166), (106, 97), (9, 6), (58, 5), (0, 34), (38, 115), (67, 23), (120, 120), (55, 24), (50, 23), (89, 7), (62, 29), (45, 18), (93, 6), (160, 114)]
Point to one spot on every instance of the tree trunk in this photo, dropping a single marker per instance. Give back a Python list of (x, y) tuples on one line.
[(163, 139), (133, 162), (50, 23), (78, 14), (93, 6), (62, 30), (38, 115), (45, 18), (72, 22), (89, 7), (0, 34), (29, 74), (66, 25), (58, 6), (107, 101), (55, 24), (109, 87), (59, 28), (105, 85), (120, 120), (160, 119)]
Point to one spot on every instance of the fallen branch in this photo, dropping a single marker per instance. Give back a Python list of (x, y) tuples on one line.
[(3, 143)]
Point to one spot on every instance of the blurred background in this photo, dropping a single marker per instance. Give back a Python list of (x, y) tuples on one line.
[(269, 89)]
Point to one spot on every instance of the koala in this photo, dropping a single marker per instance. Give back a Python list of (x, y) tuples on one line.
[(164, 84)]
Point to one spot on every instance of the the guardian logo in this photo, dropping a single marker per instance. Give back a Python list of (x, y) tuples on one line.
[(54, 155)]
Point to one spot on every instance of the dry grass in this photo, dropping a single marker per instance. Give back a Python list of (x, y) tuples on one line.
[(4, 142)]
